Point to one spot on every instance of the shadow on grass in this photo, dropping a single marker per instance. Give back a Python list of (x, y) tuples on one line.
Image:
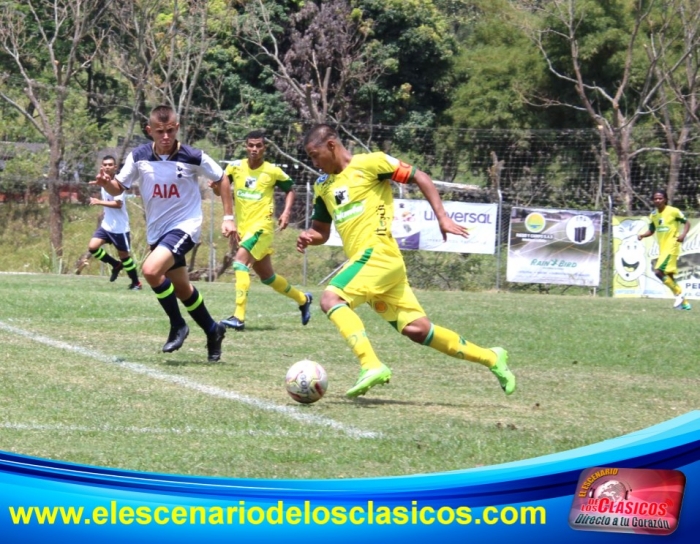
[(196, 362), (362, 402)]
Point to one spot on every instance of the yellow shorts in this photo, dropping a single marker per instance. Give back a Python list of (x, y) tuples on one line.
[(667, 263), (258, 243), (378, 277)]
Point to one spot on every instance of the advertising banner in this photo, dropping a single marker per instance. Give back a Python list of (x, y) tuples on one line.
[(554, 246), (634, 261), (415, 227)]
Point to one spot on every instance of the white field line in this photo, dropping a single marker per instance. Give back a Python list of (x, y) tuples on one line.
[(146, 430), (290, 412)]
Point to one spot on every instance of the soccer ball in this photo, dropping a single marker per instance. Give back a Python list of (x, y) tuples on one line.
[(306, 381)]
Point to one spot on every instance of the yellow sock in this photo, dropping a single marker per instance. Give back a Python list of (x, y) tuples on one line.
[(672, 285), (282, 286), (242, 287), (352, 329), (452, 344)]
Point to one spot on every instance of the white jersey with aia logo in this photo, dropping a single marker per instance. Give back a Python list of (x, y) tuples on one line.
[(169, 187), (115, 220)]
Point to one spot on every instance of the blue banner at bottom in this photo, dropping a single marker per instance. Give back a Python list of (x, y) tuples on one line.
[(590, 492)]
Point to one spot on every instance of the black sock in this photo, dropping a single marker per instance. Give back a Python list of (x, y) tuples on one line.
[(101, 255), (195, 306), (166, 296), (130, 267)]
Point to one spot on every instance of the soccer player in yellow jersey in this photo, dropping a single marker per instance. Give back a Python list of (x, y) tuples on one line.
[(254, 181), (355, 193), (671, 227)]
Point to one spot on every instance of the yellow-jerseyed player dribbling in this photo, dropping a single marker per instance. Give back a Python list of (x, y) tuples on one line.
[(355, 194)]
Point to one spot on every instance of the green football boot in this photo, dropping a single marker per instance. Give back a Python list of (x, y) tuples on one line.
[(368, 379), (505, 377)]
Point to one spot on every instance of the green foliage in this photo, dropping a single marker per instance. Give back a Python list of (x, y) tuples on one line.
[(496, 70)]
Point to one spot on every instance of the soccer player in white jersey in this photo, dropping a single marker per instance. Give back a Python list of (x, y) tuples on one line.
[(167, 173), (114, 229)]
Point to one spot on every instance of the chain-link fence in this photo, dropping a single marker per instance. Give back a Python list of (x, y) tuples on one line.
[(569, 169)]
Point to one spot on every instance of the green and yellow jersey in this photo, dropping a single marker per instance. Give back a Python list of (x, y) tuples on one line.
[(667, 227), (360, 202), (253, 193)]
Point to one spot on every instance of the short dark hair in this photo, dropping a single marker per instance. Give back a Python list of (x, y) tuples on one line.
[(319, 134), (162, 113), (256, 135), (661, 192), (109, 157)]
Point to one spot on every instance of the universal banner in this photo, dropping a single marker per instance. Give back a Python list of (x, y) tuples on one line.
[(416, 227), (634, 261), (554, 246)]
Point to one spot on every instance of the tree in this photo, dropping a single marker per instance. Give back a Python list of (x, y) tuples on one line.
[(321, 61), (673, 51), (49, 42), (601, 50)]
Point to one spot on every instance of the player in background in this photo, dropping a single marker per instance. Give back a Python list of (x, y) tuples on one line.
[(167, 173), (254, 181), (356, 193), (114, 230), (671, 227)]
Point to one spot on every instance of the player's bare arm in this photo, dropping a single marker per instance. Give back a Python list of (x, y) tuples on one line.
[(447, 224), (105, 180), (317, 235), (106, 203), (283, 219), (228, 225), (686, 229)]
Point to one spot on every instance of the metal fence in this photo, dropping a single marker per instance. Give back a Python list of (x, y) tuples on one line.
[(569, 169)]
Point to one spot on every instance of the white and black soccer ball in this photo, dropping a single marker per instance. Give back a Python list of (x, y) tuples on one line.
[(306, 381)]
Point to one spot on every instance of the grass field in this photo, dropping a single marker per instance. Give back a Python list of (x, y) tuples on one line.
[(82, 379)]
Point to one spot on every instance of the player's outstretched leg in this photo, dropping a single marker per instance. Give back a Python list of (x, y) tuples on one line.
[(373, 371), (369, 377), (452, 344), (283, 287), (305, 309), (505, 377)]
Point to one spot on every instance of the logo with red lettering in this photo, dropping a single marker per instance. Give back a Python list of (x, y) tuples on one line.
[(628, 500)]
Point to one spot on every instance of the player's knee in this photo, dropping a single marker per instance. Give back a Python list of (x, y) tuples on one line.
[(415, 332), (151, 274), (330, 300)]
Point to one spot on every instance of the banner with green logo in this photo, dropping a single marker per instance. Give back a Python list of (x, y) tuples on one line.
[(634, 261), (554, 246)]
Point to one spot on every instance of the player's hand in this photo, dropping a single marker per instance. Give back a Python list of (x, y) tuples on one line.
[(681, 239), (94, 201), (215, 187), (229, 229), (283, 221), (103, 178), (304, 240), (448, 226)]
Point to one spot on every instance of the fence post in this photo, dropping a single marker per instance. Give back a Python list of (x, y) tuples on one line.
[(212, 255), (610, 243), (498, 240), (306, 224)]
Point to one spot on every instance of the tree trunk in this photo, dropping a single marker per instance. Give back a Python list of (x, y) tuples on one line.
[(55, 212)]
